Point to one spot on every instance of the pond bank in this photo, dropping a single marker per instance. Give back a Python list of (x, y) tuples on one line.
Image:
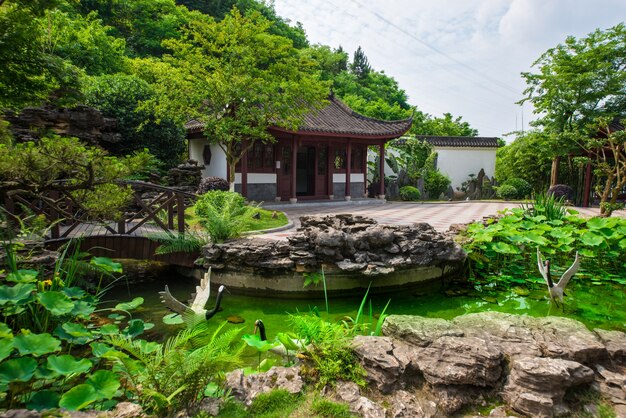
[(428, 367)]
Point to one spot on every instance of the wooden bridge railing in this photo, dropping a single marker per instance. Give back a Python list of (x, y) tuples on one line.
[(65, 215)]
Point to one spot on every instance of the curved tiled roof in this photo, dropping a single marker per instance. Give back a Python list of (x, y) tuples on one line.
[(458, 141), (337, 119)]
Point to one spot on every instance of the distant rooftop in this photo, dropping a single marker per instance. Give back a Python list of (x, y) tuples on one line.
[(457, 141)]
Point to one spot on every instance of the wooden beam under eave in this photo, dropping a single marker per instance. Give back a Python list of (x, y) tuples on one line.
[(348, 168), (244, 171)]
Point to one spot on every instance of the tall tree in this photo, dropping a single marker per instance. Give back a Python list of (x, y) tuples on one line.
[(238, 79), (580, 80), (579, 88), (360, 65)]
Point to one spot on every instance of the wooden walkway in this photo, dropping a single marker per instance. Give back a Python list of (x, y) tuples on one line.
[(156, 211)]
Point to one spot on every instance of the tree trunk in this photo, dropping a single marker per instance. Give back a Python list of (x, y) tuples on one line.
[(554, 172)]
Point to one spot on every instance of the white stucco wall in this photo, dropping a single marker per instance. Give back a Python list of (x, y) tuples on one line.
[(456, 163), (459, 163), (217, 167), (354, 177), (257, 178)]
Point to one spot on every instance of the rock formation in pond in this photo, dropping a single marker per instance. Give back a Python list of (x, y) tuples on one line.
[(345, 243), (430, 367)]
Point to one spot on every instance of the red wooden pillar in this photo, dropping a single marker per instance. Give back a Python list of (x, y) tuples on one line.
[(381, 175), (244, 171), (329, 169), (294, 163), (587, 188), (348, 169), (364, 168)]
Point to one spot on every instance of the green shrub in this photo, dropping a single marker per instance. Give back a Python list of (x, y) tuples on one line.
[(436, 183), (548, 205), (409, 193), (507, 192), (222, 214), (524, 189)]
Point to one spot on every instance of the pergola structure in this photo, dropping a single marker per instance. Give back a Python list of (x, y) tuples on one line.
[(326, 158)]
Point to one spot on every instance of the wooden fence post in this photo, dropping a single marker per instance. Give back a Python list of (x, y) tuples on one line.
[(180, 209)]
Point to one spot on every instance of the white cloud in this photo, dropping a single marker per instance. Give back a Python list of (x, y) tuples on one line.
[(487, 43)]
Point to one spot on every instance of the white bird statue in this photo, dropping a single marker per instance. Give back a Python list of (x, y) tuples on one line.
[(200, 299), (557, 291)]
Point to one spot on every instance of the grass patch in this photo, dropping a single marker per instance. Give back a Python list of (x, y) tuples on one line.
[(324, 408), (266, 221), (275, 404)]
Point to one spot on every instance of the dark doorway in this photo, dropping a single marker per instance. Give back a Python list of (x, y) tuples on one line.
[(305, 172)]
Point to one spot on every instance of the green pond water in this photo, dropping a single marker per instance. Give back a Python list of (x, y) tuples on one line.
[(598, 306)]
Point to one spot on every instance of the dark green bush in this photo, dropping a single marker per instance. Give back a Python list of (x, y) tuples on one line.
[(523, 188), (436, 183), (507, 192), (409, 193)]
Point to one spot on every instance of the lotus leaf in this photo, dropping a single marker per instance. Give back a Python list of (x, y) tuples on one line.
[(23, 276), (109, 329), (77, 331), (83, 309), (17, 370), (99, 349), (135, 327), (56, 302), (255, 341), (106, 264), (536, 239), (105, 382), (601, 223), (78, 397), (591, 239), (43, 372), (5, 331), (74, 292), (116, 317), (287, 341), (129, 306), (19, 293), (622, 244), (44, 399), (66, 364), (504, 248), (586, 252), (36, 344), (6, 347), (173, 319)]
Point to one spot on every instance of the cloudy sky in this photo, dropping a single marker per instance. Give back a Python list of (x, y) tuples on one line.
[(459, 56)]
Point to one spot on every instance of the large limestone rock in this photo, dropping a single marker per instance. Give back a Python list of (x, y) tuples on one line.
[(84, 122), (537, 385), (362, 406), (512, 334), (246, 388), (345, 243), (460, 361), (386, 361)]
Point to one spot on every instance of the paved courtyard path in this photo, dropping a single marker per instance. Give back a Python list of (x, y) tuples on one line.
[(439, 215)]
